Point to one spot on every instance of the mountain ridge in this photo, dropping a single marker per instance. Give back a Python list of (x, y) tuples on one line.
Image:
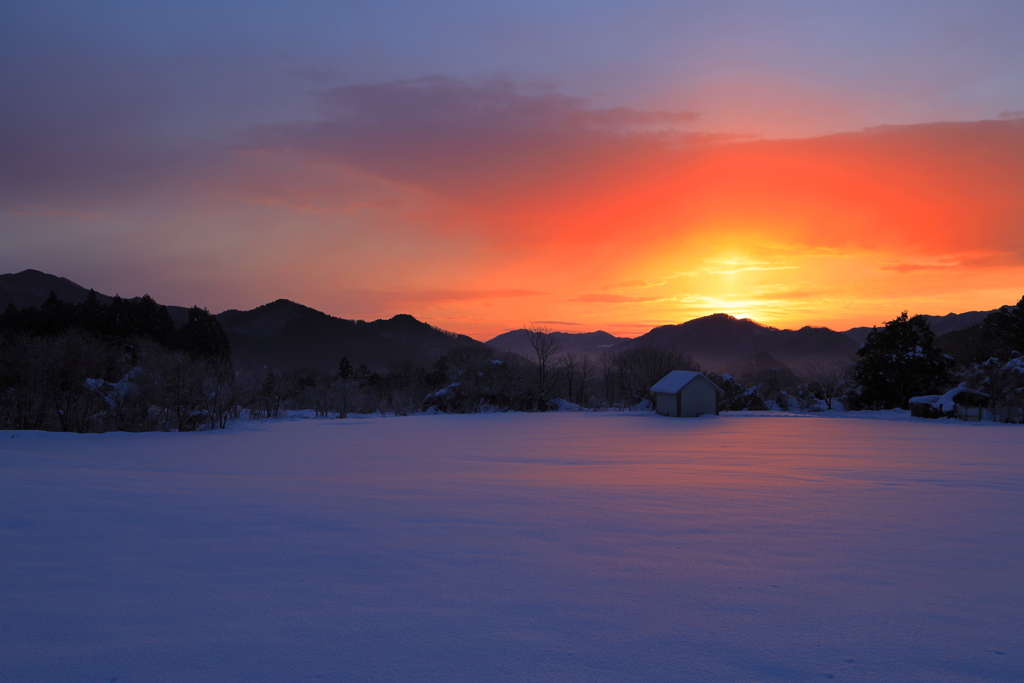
[(590, 344), (283, 334), (939, 324), (286, 335), (723, 343), (31, 288)]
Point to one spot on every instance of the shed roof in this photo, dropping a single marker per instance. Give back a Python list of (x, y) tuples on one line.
[(947, 402), (677, 379)]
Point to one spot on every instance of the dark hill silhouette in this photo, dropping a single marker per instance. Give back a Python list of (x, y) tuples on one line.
[(739, 346), (587, 343), (954, 322), (940, 324), (284, 335), (967, 345), (762, 360), (281, 335), (31, 287), (719, 342)]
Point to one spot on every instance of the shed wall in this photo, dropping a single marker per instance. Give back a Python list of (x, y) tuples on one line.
[(665, 404), (698, 398)]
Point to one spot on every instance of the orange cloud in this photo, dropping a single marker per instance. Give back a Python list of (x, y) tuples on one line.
[(610, 299), (493, 203), (820, 230), (912, 267), (539, 165)]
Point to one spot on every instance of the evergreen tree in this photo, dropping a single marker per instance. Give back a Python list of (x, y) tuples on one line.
[(439, 375), (114, 319), (153, 320), (344, 369), (9, 319), (203, 337), (91, 308), (1005, 328), (364, 377), (54, 316), (899, 361)]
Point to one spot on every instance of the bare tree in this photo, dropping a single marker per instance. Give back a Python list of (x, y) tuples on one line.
[(182, 378), (633, 371), (585, 372), (73, 357), (606, 366), (827, 379), (220, 394), (24, 399), (569, 364), (576, 371), (545, 348)]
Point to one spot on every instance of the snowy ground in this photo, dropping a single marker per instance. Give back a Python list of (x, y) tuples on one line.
[(516, 547)]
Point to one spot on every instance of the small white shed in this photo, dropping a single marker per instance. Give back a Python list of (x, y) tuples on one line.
[(682, 393)]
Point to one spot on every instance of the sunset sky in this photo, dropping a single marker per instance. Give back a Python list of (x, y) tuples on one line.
[(586, 165)]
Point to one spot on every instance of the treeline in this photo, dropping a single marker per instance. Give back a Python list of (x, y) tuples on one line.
[(120, 322), (122, 365), (469, 380), (548, 379), (904, 359), (898, 361), (126, 365)]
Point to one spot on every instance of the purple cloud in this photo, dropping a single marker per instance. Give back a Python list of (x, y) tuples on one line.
[(486, 143)]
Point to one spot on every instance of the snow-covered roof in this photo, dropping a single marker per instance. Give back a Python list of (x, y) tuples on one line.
[(1015, 364), (676, 380), (947, 402)]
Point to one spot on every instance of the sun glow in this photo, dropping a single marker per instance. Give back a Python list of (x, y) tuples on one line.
[(622, 233)]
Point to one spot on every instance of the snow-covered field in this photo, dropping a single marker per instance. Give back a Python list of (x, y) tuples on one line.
[(516, 547)]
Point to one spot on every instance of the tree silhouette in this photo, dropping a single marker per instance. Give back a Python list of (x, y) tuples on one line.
[(545, 347), (203, 337), (1005, 327), (899, 361), (344, 369)]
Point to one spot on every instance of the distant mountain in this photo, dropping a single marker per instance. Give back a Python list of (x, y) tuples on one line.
[(953, 322), (32, 287), (718, 342), (723, 343), (284, 335), (940, 324), (762, 360), (590, 344), (858, 334)]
